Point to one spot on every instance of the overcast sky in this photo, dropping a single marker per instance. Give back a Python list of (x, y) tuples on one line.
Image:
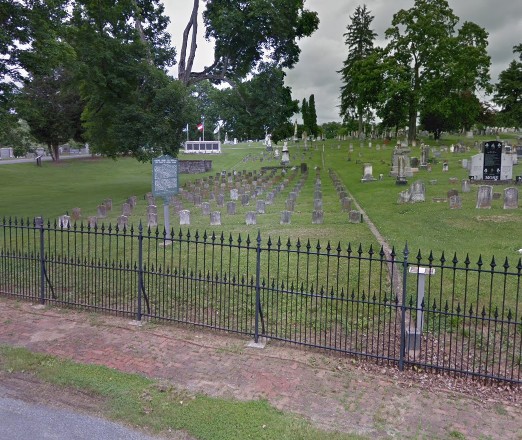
[(323, 53)]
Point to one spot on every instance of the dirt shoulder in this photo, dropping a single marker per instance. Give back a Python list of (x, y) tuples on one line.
[(332, 391)]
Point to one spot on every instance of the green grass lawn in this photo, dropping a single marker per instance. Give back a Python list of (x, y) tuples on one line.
[(145, 403), (56, 188)]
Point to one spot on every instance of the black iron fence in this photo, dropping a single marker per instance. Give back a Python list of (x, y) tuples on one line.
[(435, 313)]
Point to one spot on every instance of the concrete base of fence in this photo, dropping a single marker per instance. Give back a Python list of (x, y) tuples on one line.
[(260, 344), (136, 323), (413, 340), (39, 306)]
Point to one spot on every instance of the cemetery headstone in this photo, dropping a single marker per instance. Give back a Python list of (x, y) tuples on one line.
[(231, 208), (205, 208), (215, 218), (511, 198), (285, 217), (92, 221), (417, 192), (122, 221), (251, 218), (355, 217), (466, 188), (126, 209), (102, 211), (76, 214), (455, 201), (152, 219), (64, 221), (184, 217), (368, 173), (484, 197), (260, 206), (317, 217)]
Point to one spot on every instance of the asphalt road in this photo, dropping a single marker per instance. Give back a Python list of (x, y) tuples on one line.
[(23, 421)]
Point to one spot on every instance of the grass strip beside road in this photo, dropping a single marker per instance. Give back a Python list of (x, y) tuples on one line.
[(160, 408)]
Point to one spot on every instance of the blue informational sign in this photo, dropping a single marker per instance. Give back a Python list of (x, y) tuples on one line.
[(165, 178)]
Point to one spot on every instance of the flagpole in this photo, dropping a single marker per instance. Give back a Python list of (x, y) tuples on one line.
[(203, 117), (187, 132)]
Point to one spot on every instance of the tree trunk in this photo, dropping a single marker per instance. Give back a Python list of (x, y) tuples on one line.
[(54, 149), (184, 66)]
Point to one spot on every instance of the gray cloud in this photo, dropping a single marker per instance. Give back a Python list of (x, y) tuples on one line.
[(323, 53)]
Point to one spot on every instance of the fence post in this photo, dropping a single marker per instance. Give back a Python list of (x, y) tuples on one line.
[(403, 308), (140, 270), (39, 223), (258, 291)]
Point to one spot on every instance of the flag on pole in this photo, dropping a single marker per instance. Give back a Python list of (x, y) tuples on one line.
[(185, 130), (200, 126)]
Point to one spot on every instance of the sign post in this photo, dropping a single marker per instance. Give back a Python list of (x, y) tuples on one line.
[(165, 183)]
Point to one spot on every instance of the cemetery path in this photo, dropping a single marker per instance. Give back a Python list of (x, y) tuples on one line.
[(397, 277), (333, 392)]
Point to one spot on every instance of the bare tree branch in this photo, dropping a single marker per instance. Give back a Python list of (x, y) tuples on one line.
[(185, 69)]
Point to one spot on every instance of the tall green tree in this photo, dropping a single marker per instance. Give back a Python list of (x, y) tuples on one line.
[(508, 92), (312, 116), (258, 105), (306, 115), (131, 105), (359, 39), (29, 43), (51, 106), (246, 34), (432, 59)]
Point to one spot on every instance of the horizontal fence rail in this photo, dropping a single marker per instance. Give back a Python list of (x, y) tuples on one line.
[(436, 313)]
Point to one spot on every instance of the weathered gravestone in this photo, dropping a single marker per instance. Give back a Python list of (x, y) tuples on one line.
[(260, 206), (76, 214), (234, 195), (484, 197), (251, 218), (368, 173), (285, 217), (355, 217), (455, 201), (205, 208), (417, 192), (152, 219), (465, 186), (317, 217), (215, 218), (231, 208), (92, 221), (184, 217), (102, 211), (126, 209), (122, 221), (346, 203), (452, 192), (64, 221), (511, 198), (132, 201)]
